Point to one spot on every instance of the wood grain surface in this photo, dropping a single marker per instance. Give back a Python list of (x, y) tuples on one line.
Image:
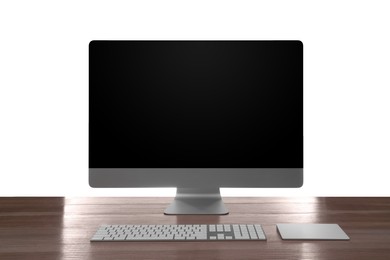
[(60, 228)]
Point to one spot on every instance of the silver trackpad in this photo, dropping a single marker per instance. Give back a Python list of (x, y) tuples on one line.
[(311, 231)]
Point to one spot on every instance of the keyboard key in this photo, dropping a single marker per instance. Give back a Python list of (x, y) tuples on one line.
[(212, 228), (227, 228)]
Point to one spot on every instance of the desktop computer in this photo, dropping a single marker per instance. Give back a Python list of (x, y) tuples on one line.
[(196, 115)]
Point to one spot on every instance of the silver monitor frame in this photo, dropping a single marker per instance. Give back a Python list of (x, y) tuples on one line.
[(197, 188)]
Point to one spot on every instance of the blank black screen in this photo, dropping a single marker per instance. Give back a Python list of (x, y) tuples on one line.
[(195, 104)]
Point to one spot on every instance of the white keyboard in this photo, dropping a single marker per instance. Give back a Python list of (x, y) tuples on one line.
[(217, 232)]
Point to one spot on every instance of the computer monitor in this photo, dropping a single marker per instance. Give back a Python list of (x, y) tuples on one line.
[(196, 115)]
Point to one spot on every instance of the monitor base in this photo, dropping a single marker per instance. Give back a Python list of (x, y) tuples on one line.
[(197, 201)]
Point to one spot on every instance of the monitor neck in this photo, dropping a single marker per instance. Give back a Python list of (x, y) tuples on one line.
[(197, 201)]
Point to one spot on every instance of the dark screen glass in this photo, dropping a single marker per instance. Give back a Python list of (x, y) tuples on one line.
[(196, 104)]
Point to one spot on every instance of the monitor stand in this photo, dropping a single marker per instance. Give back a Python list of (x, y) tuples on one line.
[(197, 201)]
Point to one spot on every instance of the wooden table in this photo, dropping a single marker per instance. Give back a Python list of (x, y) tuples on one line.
[(60, 228)]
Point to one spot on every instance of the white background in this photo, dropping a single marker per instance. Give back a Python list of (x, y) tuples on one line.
[(44, 85)]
